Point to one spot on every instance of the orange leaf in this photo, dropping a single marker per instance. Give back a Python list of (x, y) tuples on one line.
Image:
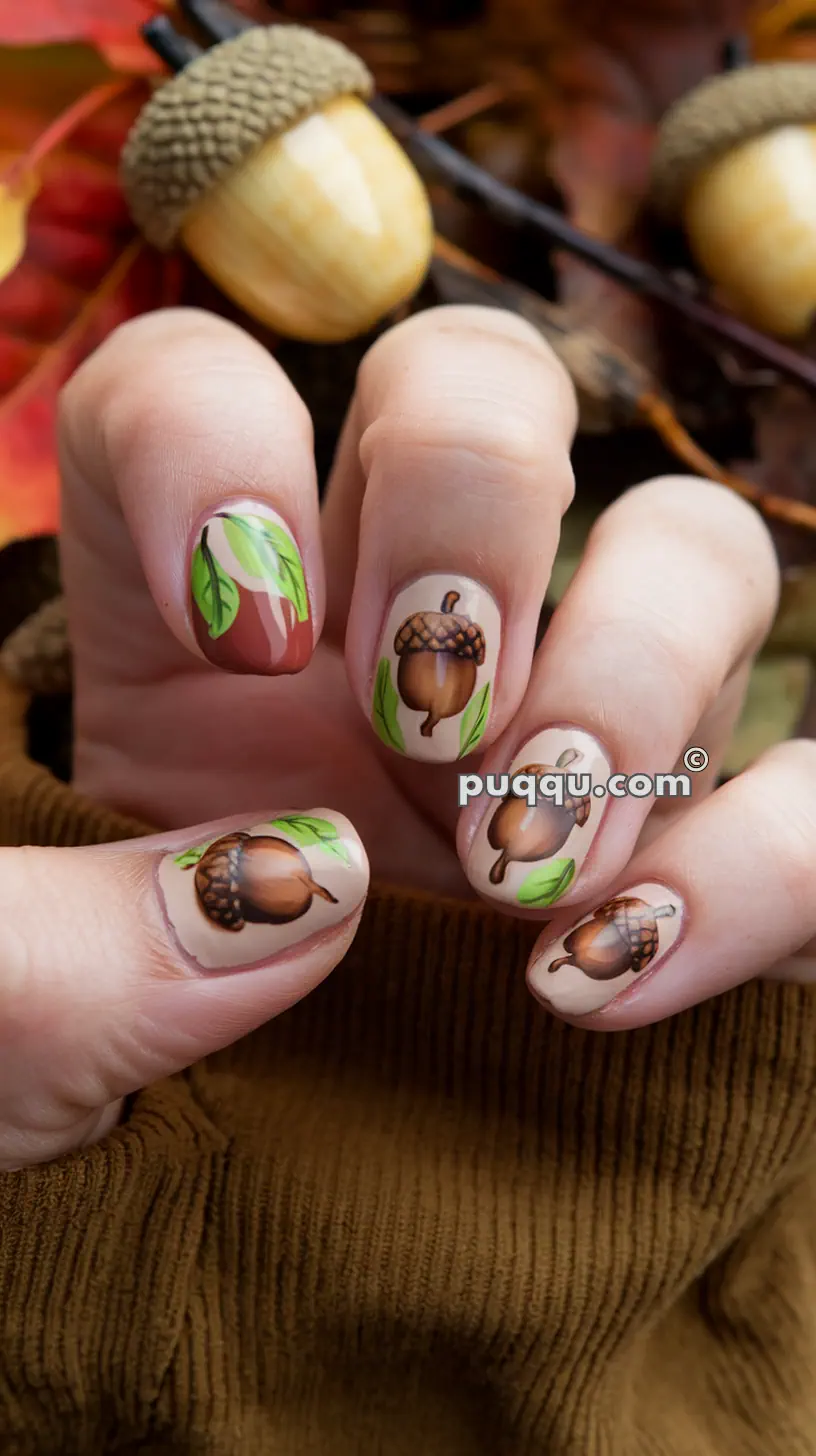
[(110, 26), (78, 276), (15, 198)]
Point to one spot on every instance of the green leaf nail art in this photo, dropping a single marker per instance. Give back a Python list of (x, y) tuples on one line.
[(474, 721), (214, 592), (190, 857), (307, 831), (384, 708), (547, 884), (265, 550)]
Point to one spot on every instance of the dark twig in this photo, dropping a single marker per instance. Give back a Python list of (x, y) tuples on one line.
[(177, 51), (215, 20), (475, 184)]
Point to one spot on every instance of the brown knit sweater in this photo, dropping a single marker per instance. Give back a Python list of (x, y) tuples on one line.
[(416, 1216)]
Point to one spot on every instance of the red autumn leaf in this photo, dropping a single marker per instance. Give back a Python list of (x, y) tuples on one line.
[(82, 272), (110, 26)]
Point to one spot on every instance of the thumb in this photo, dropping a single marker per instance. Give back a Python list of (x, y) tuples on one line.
[(121, 964)]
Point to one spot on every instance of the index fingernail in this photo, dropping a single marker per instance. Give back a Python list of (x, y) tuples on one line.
[(248, 593)]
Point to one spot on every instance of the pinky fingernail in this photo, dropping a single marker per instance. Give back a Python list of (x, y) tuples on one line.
[(249, 597), (597, 961)]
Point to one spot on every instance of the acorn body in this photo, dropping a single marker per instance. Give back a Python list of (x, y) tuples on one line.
[(524, 833), (439, 653), (263, 160), (751, 221), (320, 233), (735, 161), (621, 936), (254, 879)]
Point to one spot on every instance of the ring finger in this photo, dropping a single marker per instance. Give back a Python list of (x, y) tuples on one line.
[(646, 655)]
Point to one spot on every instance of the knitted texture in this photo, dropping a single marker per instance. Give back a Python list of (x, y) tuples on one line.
[(220, 109), (722, 112), (417, 1214), (38, 654)]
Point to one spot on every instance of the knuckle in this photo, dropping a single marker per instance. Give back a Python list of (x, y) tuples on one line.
[(784, 790)]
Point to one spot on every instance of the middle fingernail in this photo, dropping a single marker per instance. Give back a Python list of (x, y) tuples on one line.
[(435, 670), (529, 848)]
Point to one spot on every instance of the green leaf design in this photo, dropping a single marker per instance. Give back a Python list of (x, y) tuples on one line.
[(474, 721), (265, 550), (190, 857), (384, 708), (547, 884), (214, 592), (307, 831)]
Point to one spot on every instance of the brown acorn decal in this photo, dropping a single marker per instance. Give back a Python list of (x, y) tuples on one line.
[(254, 878), (621, 936), (439, 653), (523, 833)]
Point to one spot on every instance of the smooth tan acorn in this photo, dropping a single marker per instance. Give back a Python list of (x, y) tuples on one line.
[(255, 879), (621, 936), (526, 833), (439, 653), (736, 161), (262, 159)]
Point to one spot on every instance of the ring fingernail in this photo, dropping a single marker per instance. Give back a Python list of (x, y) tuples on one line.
[(608, 951), (529, 848), (436, 664), (242, 897), (249, 599)]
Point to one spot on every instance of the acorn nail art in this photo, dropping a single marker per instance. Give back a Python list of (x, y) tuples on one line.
[(434, 679), (249, 598), (608, 951), (529, 847), (242, 897)]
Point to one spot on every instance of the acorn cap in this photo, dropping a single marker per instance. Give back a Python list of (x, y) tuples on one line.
[(444, 631), (220, 109), (718, 115)]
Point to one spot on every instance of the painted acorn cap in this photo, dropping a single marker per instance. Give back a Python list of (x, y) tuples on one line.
[(718, 115), (220, 109), (445, 631)]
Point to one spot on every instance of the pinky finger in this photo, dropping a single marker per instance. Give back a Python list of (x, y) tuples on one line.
[(721, 896)]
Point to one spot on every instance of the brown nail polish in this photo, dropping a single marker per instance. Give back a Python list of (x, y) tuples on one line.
[(249, 599), (530, 853), (243, 897), (608, 951), (436, 664)]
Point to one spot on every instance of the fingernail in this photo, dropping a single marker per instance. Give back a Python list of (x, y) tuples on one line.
[(433, 684), (528, 851), (243, 897), (249, 599), (596, 961)]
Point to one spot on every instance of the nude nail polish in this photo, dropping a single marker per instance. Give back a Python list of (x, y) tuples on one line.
[(249, 598), (606, 952), (243, 897), (434, 680), (530, 845)]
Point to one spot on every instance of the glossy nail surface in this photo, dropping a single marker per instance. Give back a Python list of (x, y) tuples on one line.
[(245, 896), (529, 854), (434, 679), (608, 951), (249, 599)]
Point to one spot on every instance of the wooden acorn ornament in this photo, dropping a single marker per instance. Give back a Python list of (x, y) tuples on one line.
[(261, 159), (255, 879), (525, 833), (621, 936), (439, 653), (736, 161)]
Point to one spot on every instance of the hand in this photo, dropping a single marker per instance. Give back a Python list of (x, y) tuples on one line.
[(186, 452)]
